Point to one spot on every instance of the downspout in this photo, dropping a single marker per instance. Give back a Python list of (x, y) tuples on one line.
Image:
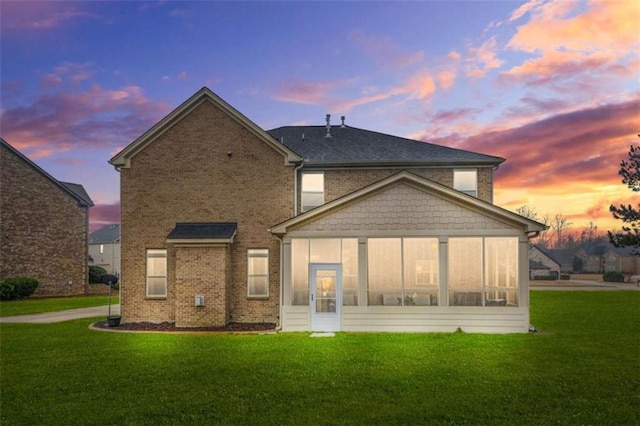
[(279, 323), (295, 188)]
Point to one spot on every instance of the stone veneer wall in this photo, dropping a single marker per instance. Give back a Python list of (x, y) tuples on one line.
[(186, 175), (43, 230)]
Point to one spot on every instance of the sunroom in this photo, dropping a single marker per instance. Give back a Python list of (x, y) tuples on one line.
[(406, 254)]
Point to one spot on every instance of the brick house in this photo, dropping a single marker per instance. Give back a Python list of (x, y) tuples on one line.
[(314, 228), (543, 262), (43, 226)]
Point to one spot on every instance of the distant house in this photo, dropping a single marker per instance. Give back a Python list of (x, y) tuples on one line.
[(43, 226), (606, 257), (543, 262), (104, 249)]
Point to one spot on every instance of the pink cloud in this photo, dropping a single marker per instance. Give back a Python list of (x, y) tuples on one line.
[(604, 25), (69, 117), (446, 79), (312, 93), (34, 15), (103, 214), (584, 146), (383, 50), (483, 59)]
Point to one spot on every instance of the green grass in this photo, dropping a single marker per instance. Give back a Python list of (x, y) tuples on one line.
[(36, 306), (582, 368)]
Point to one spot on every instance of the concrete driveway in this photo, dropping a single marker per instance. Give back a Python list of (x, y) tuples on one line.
[(59, 316)]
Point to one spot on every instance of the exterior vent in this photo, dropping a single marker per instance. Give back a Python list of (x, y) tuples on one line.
[(199, 299), (342, 118), (328, 135)]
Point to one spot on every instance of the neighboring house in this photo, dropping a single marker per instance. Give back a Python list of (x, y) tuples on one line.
[(565, 257), (605, 257), (314, 228), (43, 226), (539, 256), (104, 249), (537, 268)]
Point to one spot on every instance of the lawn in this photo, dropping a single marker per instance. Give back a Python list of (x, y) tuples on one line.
[(582, 367), (36, 306)]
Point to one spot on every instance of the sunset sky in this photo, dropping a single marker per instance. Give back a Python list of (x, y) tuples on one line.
[(551, 86)]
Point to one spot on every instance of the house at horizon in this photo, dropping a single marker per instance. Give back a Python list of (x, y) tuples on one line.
[(321, 228), (606, 257), (543, 262), (43, 226), (104, 248)]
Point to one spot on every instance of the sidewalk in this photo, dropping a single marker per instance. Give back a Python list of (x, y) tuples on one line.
[(582, 285), (59, 316)]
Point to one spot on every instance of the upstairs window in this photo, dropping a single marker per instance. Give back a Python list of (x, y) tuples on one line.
[(312, 190), (466, 181), (258, 273)]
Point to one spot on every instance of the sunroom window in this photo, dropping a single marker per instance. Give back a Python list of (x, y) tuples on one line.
[(312, 190), (324, 250), (483, 271), (403, 271), (466, 181)]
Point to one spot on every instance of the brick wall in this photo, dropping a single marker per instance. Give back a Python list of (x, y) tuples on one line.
[(43, 230), (186, 175), (342, 182)]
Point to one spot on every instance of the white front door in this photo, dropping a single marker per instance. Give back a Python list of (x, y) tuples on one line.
[(325, 292)]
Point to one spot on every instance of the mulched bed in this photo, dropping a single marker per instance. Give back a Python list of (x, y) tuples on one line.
[(169, 326)]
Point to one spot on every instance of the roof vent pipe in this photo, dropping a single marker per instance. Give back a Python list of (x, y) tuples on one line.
[(328, 135), (342, 118)]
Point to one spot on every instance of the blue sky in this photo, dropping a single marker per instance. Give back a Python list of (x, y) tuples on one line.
[(551, 86)]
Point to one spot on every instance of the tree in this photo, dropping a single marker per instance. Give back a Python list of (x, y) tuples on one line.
[(530, 213), (560, 224), (630, 216)]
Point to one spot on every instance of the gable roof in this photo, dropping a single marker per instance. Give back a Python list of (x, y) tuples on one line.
[(350, 146), (108, 234), (123, 158), (549, 254), (75, 190), (406, 177)]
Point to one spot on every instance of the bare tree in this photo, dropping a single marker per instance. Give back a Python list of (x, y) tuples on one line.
[(528, 212), (559, 224)]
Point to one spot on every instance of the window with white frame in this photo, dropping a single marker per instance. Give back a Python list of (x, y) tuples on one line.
[(258, 273), (312, 192), (101, 248), (156, 273), (402, 271), (466, 181), (483, 271)]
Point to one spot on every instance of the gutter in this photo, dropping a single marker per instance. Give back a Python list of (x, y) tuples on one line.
[(295, 188)]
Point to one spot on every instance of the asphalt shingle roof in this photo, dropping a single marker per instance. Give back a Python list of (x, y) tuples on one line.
[(79, 191), (108, 234), (206, 230), (350, 145)]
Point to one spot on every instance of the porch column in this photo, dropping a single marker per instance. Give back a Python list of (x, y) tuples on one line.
[(286, 271), (523, 272), (443, 271), (362, 272)]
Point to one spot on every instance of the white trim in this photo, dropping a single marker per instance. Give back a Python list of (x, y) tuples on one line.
[(266, 274)]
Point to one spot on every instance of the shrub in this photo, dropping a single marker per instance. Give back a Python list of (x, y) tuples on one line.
[(565, 276), (95, 272), (544, 278), (17, 287), (613, 277)]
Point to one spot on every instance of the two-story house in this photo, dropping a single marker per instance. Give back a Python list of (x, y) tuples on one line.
[(43, 226), (314, 228)]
